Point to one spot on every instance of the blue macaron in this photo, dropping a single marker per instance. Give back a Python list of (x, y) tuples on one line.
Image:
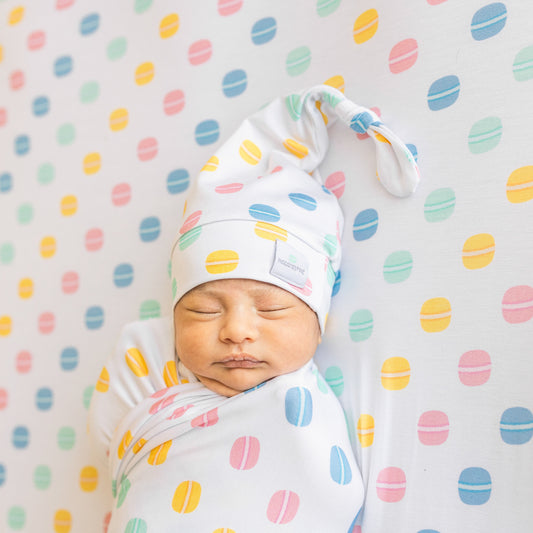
[(44, 399), (149, 229), (178, 181), (443, 92), (234, 83), (123, 275), (89, 24), (339, 467), (94, 317), (207, 132), (516, 425), (264, 212), (264, 30), (488, 21), (475, 486), (299, 406), (365, 224), (63, 66), (69, 358)]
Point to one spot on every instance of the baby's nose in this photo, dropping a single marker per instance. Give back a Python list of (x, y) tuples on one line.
[(239, 326)]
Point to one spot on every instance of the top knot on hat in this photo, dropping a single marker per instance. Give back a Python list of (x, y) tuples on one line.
[(259, 210)]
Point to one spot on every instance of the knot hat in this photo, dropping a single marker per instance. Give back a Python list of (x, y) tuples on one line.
[(259, 209)]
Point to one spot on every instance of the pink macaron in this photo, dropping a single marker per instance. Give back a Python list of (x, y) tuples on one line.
[(180, 411), (207, 419), (162, 403), (3, 116), (244, 453), (36, 40), (403, 55), (23, 362), (190, 222), (70, 282), (17, 80), (517, 304), (474, 368), (121, 194), (107, 520), (147, 149), (63, 4), (391, 484), (335, 183), (200, 52), (46, 322), (307, 289), (3, 399), (433, 428), (229, 7), (229, 188), (174, 102), (283, 506), (94, 239)]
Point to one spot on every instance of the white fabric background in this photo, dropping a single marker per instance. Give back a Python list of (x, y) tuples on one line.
[(43, 482)]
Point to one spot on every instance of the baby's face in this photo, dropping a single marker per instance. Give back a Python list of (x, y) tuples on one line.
[(234, 334)]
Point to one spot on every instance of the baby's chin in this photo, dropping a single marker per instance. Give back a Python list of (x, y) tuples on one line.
[(235, 384)]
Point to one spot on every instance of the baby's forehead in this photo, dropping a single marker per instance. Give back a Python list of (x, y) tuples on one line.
[(227, 287)]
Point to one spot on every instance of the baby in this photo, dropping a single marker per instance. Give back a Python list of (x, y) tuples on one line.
[(216, 419), (234, 334)]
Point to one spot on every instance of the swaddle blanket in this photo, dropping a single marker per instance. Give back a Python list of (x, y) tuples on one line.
[(185, 459)]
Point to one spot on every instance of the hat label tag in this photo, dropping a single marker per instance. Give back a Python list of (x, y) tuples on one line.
[(290, 265)]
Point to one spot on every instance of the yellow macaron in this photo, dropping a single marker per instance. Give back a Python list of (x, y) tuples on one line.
[(395, 373), (221, 261), (159, 454), (212, 164), (26, 288), (118, 119), (144, 73), (365, 26), (250, 152), (48, 247), (136, 362), (296, 148), (520, 185), (186, 497), (365, 430), (88, 478), (124, 444), (169, 25), (337, 82), (170, 374), (69, 205), (92, 163), (270, 231), (435, 315), (102, 385), (62, 521), (16, 15), (137, 447), (478, 251), (5, 325)]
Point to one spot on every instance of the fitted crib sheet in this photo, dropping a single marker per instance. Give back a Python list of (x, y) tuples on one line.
[(107, 112)]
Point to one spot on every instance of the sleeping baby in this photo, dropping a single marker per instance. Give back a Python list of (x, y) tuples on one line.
[(216, 419)]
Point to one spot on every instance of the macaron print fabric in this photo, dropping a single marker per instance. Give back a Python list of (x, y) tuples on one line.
[(181, 457), (260, 209), (89, 212)]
